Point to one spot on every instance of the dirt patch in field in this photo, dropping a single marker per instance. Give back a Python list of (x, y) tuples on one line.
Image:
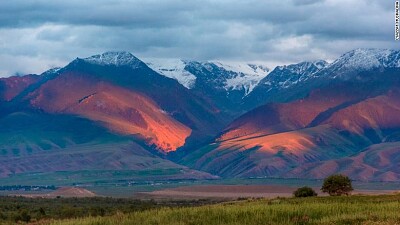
[(238, 191), (65, 192)]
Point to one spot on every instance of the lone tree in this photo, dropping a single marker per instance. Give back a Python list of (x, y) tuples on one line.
[(304, 192), (337, 185)]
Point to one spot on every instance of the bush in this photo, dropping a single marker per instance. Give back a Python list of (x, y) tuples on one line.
[(21, 216), (25, 217), (337, 185), (304, 192)]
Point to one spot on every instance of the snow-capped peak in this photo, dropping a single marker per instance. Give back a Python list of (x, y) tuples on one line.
[(173, 68), (249, 75), (115, 59), (244, 68), (51, 71), (320, 64), (365, 59), (289, 75), (307, 67), (233, 75), (360, 60)]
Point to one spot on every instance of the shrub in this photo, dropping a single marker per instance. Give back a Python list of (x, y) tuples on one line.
[(337, 185), (21, 216), (304, 192), (42, 211), (25, 217)]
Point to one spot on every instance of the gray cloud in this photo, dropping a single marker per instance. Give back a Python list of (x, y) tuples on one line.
[(36, 35), (307, 2), (23, 13)]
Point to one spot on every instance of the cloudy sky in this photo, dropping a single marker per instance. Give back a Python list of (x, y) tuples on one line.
[(36, 35)]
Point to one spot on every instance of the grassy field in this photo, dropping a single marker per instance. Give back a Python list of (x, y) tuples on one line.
[(382, 209), (21, 210)]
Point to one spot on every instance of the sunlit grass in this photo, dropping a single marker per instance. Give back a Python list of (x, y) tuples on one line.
[(316, 210)]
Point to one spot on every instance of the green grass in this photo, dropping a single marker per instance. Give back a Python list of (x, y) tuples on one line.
[(316, 210), (21, 210)]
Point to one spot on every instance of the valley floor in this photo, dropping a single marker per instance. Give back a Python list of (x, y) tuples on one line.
[(233, 192), (227, 189)]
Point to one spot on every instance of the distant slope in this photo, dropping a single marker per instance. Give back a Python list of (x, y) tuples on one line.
[(379, 162), (377, 115), (273, 155), (279, 117), (43, 143), (12, 86), (290, 139)]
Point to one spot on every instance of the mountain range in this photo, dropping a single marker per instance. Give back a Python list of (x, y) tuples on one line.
[(114, 116)]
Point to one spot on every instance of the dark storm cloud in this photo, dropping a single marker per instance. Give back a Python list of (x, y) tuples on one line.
[(35, 35), (144, 14), (23, 13)]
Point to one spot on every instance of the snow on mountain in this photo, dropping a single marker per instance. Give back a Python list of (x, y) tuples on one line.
[(347, 65), (51, 71), (248, 75), (115, 59), (288, 75), (173, 68), (359, 60), (231, 76), (234, 76), (364, 59), (305, 68)]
